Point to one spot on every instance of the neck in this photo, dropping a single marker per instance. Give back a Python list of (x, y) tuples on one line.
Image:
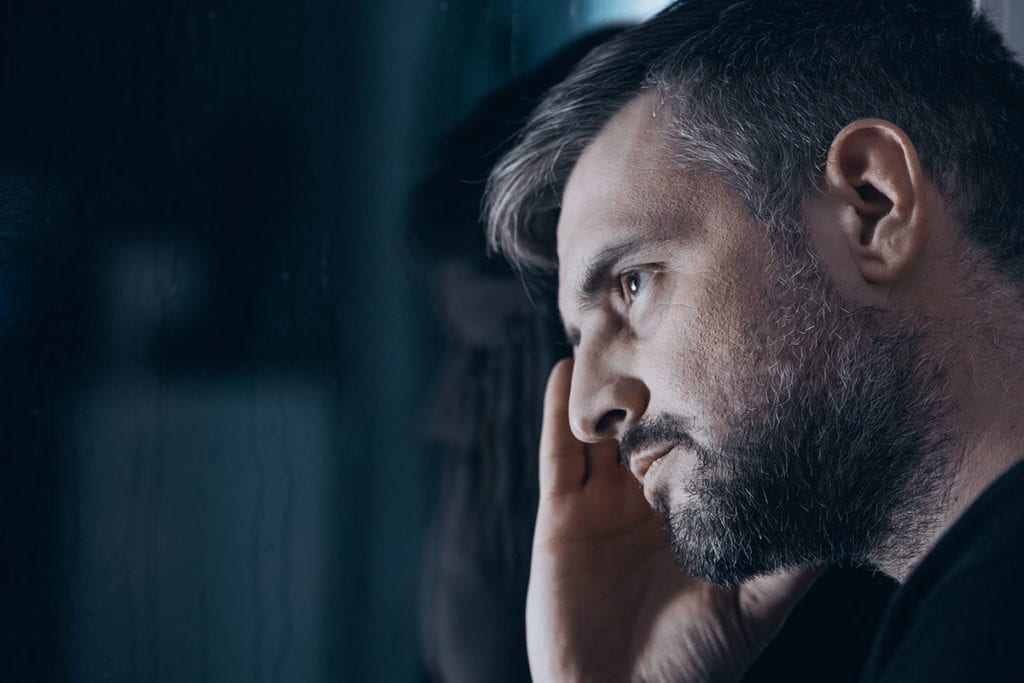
[(986, 401)]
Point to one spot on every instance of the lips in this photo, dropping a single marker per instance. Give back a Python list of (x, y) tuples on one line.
[(639, 464)]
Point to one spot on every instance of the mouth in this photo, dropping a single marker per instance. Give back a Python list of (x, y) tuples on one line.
[(639, 464)]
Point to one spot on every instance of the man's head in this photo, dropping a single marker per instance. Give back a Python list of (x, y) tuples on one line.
[(756, 210)]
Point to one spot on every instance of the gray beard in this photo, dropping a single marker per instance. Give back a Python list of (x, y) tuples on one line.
[(841, 457)]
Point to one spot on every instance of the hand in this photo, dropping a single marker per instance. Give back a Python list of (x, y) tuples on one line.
[(607, 599)]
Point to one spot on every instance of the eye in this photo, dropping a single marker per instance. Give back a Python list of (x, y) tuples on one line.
[(631, 285)]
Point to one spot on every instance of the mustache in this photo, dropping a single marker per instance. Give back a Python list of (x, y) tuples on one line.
[(658, 431)]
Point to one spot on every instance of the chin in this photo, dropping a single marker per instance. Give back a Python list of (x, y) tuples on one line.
[(726, 554)]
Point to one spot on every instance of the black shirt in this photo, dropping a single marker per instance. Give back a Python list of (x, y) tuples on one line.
[(960, 615)]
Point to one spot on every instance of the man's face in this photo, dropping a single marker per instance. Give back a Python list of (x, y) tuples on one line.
[(770, 422)]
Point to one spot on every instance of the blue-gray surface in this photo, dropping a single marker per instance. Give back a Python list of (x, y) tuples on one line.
[(219, 346)]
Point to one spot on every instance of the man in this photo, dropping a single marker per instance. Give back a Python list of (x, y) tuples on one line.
[(789, 240)]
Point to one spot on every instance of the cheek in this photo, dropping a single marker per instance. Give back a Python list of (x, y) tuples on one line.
[(708, 375)]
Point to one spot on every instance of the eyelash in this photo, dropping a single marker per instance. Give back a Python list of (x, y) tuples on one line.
[(622, 286)]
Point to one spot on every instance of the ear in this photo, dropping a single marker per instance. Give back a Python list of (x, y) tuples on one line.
[(874, 178)]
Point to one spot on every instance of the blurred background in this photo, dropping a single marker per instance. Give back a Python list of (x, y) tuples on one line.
[(222, 328)]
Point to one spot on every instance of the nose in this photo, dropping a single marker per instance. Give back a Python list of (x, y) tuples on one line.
[(604, 399)]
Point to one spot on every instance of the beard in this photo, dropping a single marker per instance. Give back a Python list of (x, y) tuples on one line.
[(838, 454)]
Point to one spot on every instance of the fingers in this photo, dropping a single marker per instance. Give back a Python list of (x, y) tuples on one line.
[(562, 461), (603, 462)]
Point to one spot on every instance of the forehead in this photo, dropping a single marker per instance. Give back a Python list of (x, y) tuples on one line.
[(624, 187), (629, 153)]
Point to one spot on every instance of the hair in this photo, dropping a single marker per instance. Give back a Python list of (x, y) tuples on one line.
[(484, 415), (756, 91), (447, 198)]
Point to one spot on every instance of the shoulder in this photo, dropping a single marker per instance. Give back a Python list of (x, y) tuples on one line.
[(960, 616), (970, 627)]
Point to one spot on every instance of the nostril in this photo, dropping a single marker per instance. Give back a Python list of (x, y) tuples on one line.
[(607, 423)]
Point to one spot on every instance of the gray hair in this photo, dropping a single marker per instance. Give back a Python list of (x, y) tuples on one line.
[(757, 90)]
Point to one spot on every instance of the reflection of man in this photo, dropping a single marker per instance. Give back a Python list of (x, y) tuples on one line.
[(498, 349), (790, 244)]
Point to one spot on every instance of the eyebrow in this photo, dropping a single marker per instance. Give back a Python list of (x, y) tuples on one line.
[(596, 274)]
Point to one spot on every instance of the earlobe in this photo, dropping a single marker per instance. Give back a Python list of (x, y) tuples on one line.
[(874, 177)]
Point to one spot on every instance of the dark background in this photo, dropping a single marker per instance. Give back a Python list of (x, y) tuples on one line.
[(215, 341)]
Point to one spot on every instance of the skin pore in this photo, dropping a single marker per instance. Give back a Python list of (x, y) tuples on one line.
[(845, 403)]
